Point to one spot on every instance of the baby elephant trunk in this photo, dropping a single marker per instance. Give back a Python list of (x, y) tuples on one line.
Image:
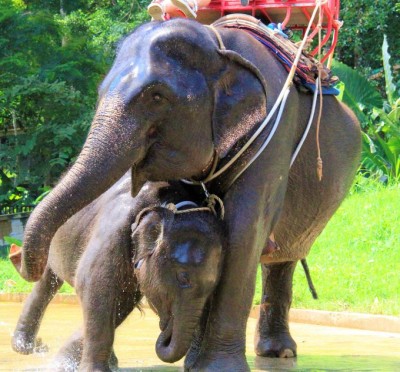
[(174, 342)]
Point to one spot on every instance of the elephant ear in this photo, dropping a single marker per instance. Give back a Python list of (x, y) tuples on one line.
[(147, 229), (239, 102)]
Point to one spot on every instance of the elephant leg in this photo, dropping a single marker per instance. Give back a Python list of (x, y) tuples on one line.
[(223, 343), (98, 352), (107, 298), (195, 347), (69, 356), (24, 339), (272, 338)]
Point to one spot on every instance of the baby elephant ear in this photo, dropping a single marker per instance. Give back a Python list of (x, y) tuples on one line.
[(240, 102), (140, 216), (160, 215)]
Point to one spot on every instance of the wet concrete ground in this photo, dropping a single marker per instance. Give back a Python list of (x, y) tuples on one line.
[(320, 348)]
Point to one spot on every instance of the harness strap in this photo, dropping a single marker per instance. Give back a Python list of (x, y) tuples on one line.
[(278, 105), (237, 58), (217, 34), (185, 203), (212, 202)]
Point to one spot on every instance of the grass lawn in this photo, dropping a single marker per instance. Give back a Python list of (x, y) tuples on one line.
[(11, 282), (355, 263)]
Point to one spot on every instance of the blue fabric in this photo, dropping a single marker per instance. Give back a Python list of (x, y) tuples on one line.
[(278, 28), (329, 91)]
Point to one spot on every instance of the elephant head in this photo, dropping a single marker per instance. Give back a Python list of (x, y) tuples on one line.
[(178, 260), (170, 103)]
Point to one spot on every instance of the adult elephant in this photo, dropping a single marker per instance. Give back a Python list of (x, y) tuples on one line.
[(172, 103)]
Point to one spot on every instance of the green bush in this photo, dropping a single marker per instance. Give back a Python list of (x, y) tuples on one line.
[(53, 55), (380, 119)]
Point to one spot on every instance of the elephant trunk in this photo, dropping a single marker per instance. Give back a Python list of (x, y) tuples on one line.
[(107, 154), (174, 342)]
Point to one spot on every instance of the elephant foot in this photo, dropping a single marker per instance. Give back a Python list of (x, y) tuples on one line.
[(277, 346), (70, 363), (112, 365), (25, 343), (69, 356), (94, 367), (219, 362), (65, 363)]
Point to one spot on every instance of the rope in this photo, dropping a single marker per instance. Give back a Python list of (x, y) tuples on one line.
[(308, 127), (319, 159), (268, 139), (212, 201), (217, 34), (172, 207), (284, 93), (195, 6)]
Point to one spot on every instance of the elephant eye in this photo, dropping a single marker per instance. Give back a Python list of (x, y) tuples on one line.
[(157, 97), (139, 263), (183, 278)]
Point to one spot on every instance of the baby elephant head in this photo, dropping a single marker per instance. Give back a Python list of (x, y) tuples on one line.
[(178, 261)]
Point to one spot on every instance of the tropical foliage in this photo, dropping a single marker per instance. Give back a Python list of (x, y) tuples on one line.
[(364, 24), (53, 54), (379, 117)]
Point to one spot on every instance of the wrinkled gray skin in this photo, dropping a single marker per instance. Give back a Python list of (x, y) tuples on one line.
[(170, 100), (173, 259)]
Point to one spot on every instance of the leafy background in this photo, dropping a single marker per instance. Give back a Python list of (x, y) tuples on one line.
[(53, 54)]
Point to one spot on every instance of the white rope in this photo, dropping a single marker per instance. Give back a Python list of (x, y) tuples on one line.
[(284, 92), (195, 6), (310, 120), (270, 135)]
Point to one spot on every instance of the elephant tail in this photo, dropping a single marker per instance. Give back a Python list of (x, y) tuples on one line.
[(309, 280)]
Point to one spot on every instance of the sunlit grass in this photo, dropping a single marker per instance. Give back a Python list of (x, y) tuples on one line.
[(11, 282), (355, 263)]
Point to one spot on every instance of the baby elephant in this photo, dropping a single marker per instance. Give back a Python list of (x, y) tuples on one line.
[(113, 252)]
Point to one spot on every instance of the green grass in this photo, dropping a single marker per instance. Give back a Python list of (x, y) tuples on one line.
[(355, 263), (11, 282)]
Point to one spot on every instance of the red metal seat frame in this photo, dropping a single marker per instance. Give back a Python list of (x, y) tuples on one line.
[(294, 14)]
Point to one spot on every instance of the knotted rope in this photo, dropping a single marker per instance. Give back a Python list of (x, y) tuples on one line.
[(213, 204)]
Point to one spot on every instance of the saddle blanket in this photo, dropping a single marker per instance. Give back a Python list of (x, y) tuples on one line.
[(285, 50)]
